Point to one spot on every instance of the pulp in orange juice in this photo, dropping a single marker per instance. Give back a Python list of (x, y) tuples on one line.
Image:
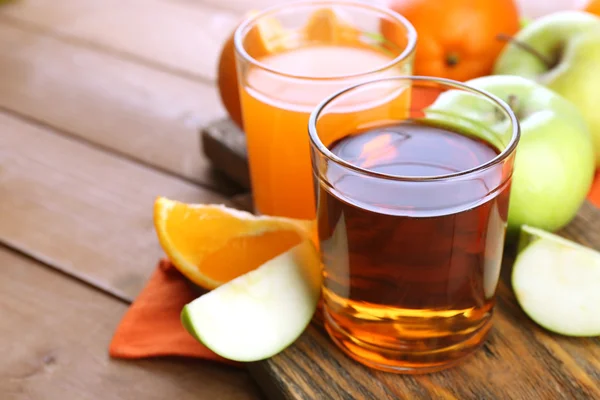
[(277, 99)]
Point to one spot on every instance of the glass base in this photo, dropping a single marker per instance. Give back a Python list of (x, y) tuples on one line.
[(399, 359)]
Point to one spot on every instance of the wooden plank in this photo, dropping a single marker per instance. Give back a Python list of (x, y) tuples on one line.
[(519, 360), (141, 113), (59, 331), (181, 37), (80, 209)]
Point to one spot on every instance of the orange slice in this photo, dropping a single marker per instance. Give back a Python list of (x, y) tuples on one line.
[(213, 244), (266, 37), (329, 26)]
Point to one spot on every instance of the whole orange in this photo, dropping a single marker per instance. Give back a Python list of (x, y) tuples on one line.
[(228, 83), (593, 6), (457, 39)]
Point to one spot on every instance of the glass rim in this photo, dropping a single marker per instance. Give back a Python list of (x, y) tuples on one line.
[(500, 157), (243, 29)]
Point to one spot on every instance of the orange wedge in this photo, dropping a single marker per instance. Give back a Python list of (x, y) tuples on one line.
[(213, 244), (330, 26), (266, 37)]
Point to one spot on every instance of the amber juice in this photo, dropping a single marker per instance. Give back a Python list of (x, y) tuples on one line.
[(410, 288)]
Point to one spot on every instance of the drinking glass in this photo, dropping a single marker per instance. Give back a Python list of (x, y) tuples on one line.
[(289, 58), (412, 203)]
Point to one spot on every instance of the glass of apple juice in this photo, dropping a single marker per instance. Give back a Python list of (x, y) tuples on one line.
[(289, 58), (413, 178)]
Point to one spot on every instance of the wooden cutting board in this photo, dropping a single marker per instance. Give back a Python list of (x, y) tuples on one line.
[(518, 361)]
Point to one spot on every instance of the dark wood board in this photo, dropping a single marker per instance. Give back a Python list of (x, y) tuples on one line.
[(518, 361), (224, 144)]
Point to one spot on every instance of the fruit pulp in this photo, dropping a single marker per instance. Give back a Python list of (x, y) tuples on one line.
[(411, 288), (276, 109)]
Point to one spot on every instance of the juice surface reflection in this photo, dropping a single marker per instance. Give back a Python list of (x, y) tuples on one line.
[(276, 109), (420, 280)]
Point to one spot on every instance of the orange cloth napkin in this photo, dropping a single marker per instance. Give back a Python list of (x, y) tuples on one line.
[(151, 327)]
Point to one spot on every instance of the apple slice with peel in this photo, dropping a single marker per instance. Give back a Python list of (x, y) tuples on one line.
[(557, 283), (260, 313)]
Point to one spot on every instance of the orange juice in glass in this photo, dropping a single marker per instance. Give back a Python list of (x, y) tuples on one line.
[(290, 58)]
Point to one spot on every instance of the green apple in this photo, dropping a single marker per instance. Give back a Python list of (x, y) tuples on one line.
[(561, 51), (554, 165), (259, 314), (525, 21), (557, 283)]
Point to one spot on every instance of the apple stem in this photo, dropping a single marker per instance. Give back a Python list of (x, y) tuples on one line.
[(524, 46)]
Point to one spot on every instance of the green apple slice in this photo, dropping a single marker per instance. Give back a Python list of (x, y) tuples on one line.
[(557, 283), (258, 314)]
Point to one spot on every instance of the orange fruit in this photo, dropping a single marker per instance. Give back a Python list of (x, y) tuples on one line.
[(227, 82), (213, 244), (593, 6), (261, 41), (457, 38)]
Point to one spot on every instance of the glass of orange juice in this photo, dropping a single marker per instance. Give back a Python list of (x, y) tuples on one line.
[(291, 57)]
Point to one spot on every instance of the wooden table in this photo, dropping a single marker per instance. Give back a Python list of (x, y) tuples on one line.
[(100, 106)]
